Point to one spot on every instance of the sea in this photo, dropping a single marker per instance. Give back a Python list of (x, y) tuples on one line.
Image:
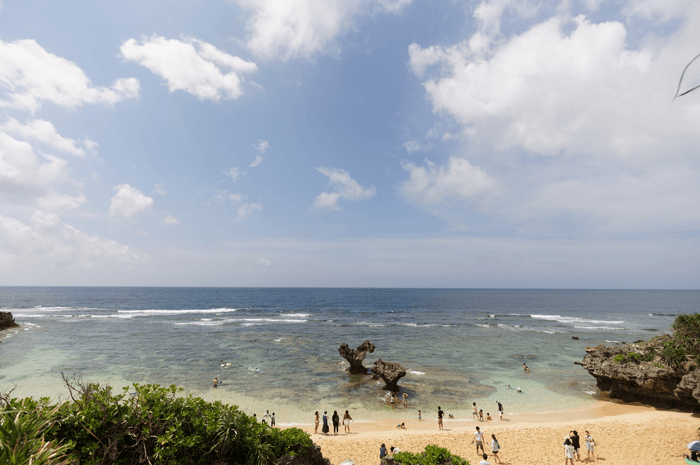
[(457, 346)]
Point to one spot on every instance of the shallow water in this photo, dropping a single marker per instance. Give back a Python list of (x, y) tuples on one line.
[(458, 346)]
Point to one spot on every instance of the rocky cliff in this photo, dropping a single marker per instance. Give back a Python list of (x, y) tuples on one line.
[(633, 373), (7, 321), (356, 356)]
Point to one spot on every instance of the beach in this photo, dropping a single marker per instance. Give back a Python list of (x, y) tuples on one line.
[(625, 434)]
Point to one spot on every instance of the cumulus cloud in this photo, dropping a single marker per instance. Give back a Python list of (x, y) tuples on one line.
[(344, 187), (170, 220), (245, 210), (459, 182), (45, 132), (129, 201), (303, 28), (190, 64), (55, 243), (29, 75), (235, 173)]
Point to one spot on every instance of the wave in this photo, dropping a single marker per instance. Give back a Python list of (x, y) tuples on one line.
[(609, 328), (613, 341), (414, 372), (176, 312), (116, 315), (662, 314), (287, 315), (573, 319), (28, 315)]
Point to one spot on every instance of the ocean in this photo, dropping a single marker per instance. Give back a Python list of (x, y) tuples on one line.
[(458, 345)]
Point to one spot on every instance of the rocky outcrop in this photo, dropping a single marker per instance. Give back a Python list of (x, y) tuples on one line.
[(356, 356), (7, 321), (390, 373), (626, 373), (312, 457)]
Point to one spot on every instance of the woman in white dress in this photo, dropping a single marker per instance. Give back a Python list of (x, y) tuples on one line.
[(568, 452), (590, 445), (346, 421)]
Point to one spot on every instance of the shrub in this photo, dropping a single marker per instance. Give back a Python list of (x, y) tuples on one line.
[(619, 358), (433, 455), (22, 441), (684, 345)]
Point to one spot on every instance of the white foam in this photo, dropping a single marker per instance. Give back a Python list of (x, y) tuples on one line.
[(28, 315), (414, 372), (287, 315), (483, 326), (176, 312), (612, 341), (573, 319), (124, 317), (610, 328)]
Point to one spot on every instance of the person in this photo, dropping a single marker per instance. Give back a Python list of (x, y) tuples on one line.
[(488, 416), (500, 410), (272, 419), (590, 446), (419, 418), (401, 426), (316, 420), (393, 405), (519, 390), (479, 439), (267, 413), (346, 421), (440, 415), (475, 412), (495, 447), (264, 422), (481, 415), (405, 400), (325, 428), (485, 461), (394, 450), (216, 382), (575, 441), (336, 422), (568, 452), (255, 417), (382, 451), (525, 368)]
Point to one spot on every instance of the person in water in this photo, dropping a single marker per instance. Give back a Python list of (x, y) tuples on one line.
[(216, 382)]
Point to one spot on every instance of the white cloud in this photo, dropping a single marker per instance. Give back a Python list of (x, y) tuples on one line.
[(23, 173), (55, 244), (263, 261), (235, 197), (235, 173), (170, 220), (262, 146), (256, 162), (45, 132), (457, 183), (303, 28), (192, 65), (344, 187), (245, 210), (129, 201), (29, 75), (158, 189)]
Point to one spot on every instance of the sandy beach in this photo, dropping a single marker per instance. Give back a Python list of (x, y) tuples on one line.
[(625, 434)]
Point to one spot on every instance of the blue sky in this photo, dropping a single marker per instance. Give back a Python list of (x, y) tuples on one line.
[(373, 143)]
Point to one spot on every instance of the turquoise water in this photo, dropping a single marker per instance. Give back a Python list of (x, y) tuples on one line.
[(458, 346)]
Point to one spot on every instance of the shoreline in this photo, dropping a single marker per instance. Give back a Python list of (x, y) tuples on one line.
[(624, 434)]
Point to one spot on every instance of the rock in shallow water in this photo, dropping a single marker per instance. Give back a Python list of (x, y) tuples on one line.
[(7, 321), (356, 356)]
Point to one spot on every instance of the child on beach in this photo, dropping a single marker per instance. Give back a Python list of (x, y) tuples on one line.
[(488, 416), (568, 452), (481, 415)]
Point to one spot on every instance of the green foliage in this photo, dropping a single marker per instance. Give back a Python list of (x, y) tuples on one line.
[(619, 358), (634, 356), (433, 455), (21, 437), (684, 345), (154, 425)]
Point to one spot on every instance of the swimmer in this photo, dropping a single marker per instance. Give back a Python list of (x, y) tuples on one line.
[(519, 390), (216, 382), (525, 368)]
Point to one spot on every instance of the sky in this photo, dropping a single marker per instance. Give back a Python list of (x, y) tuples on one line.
[(350, 143)]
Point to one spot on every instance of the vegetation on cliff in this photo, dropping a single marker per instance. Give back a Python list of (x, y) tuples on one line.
[(152, 425)]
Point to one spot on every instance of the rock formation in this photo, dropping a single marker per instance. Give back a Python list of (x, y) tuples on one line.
[(6, 321), (390, 373), (625, 373), (356, 356)]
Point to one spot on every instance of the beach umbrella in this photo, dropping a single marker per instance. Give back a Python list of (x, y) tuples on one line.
[(695, 445)]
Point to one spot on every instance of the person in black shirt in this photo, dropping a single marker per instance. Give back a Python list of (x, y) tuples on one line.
[(575, 442), (336, 421), (440, 415)]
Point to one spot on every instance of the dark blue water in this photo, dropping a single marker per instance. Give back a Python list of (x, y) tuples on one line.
[(457, 345)]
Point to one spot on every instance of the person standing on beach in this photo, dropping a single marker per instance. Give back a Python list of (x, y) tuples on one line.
[(382, 451), (568, 452), (440, 415), (393, 405), (575, 441), (346, 421), (590, 446), (405, 400), (481, 415), (485, 461), (325, 428), (419, 418), (495, 447), (316, 423), (475, 412), (272, 419), (336, 422), (500, 410), (479, 439)]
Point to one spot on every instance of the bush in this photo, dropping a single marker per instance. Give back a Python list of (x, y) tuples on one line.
[(684, 345), (152, 426), (433, 455), (22, 441)]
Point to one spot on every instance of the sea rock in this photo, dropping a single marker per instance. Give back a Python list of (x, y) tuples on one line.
[(648, 382), (312, 457), (390, 373), (7, 321), (356, 356)]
